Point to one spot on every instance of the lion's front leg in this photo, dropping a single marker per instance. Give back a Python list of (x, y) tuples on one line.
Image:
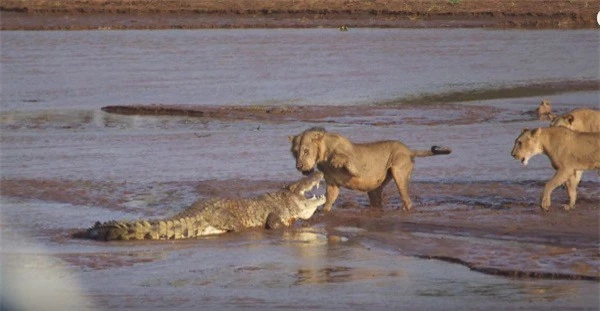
[(559, 178), (572, 189), (330, 196), (340, 161)]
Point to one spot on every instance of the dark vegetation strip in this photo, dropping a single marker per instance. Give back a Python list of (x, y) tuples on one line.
[(529, 90), (225, 112)]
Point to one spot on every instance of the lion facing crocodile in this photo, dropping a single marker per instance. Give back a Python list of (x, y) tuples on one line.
[(215, 216)]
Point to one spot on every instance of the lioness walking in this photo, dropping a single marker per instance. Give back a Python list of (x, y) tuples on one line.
[(580, 120), (570, 154), (365, 167)]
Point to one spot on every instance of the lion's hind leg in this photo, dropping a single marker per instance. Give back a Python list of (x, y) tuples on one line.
[(560, 177), (331, 195), (401, 175), (376, 195), (572, 189)]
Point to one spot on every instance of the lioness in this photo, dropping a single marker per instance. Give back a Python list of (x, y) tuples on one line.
[(581, 120), (544, 111), (570, 153), (365, 167)]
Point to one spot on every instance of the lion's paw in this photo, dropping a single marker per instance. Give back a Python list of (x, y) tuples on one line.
[(567, 207), (338, 162)]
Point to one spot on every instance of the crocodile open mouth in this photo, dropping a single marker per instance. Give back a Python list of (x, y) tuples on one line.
[(315, 193), (312, 192), (313, 189)]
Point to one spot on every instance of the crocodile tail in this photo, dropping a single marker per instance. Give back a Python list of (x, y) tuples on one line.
[(180, 228), (435, 150)]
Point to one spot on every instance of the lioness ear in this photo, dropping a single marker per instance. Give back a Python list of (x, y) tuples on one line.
[(291, 137), (545, 102), (524, 130), (570, 118), (551, 116), (318, 137), (536, 132)]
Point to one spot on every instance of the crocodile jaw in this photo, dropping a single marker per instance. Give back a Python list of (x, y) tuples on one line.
[(306, 184), (309, 206), (306, 206)]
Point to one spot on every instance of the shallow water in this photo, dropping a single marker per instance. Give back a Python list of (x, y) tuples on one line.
[(99, 146), (303, 268), (54, 83)]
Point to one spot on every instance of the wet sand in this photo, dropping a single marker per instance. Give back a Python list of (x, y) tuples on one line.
[(195, 14)]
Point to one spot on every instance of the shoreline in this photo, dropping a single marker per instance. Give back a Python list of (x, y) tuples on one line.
[(201, 14)]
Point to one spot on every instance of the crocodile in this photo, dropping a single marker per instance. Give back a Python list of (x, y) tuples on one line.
[(272, 210)]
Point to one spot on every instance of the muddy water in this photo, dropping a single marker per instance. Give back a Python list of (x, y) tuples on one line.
[(66, 164)]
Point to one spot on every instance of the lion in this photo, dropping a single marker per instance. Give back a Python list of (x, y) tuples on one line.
[(580, 120), (570, 154), (544, 111), (366, 167)]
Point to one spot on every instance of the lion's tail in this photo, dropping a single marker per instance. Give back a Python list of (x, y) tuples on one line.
[(435, 150)]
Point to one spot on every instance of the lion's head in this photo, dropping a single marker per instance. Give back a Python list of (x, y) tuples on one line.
[(305, 149), (564, 121), (544, 110), (527, 145)]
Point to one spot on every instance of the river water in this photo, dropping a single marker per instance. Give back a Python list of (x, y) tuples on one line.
[(54, 83), (85, 69)]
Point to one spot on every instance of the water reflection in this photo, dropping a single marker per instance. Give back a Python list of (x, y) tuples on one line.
[(522, 290), (339, 274), (92, 119), (318, 253)]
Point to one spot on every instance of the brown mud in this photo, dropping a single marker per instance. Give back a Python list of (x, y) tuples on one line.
[(196, 14)]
